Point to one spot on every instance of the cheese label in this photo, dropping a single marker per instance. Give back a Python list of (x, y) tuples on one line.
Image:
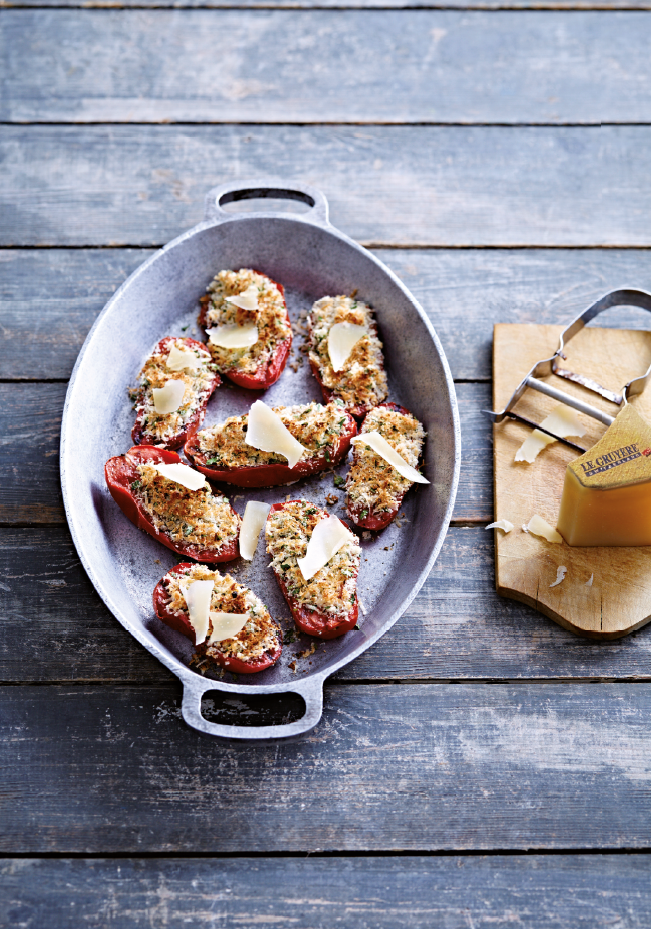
[(267, 432), (328, 536), (181, 358), (381, 447), (169, 398), (232, 336), (342, 339), (622, 456), (226, 625), (248, 299), (182, 474), (255, 516), (197, 597)]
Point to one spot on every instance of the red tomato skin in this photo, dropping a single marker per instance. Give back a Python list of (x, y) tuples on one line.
[(376, 521), (121, 471), (180, 438), (185, 627), (266, 374), (316, 622), (272, 475)]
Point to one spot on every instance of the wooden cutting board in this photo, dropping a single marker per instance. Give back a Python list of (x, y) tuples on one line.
[(619, 599)]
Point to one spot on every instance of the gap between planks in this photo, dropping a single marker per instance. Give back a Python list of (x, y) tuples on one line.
[(382, 853)]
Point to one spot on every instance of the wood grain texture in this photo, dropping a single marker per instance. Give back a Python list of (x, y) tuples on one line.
[(424, 767), (457, 628), (374, 66), (619, 599), (464, 292), (537, 891), (404, 185), (30, 420), (604, 5)]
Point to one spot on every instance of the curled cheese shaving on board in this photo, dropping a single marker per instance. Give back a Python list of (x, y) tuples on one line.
[(503, 524), (561, 571), (562, 421), (540, 527)]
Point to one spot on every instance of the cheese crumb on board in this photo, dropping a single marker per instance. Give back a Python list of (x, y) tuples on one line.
[(169, 398), (327, 538), (540, 527), (563, 421), (588, 583), (503, 524), (267, 432), (561, 571), (255, 516)]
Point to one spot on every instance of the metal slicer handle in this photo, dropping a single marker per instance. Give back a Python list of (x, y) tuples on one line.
[(264, 188), (311, 690), (569, 400)]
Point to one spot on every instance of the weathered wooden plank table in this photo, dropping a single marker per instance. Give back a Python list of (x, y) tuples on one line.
[(480, 765)]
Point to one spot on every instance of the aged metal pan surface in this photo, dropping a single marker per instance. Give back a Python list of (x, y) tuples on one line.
[(311, 259)]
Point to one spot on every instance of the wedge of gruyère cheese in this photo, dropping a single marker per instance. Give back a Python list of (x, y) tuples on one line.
[(607, 492)]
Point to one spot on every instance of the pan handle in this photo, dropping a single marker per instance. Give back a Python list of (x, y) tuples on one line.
[(310, 689), (262, 188)]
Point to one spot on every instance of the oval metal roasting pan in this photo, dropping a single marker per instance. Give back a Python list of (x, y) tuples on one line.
[(311, 259)]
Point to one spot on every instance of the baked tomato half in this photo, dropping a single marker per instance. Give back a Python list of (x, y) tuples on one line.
[(326, 606), (195, 523), (258, 365), (222, 454), (191, 365), (255, 647), (374, 489)]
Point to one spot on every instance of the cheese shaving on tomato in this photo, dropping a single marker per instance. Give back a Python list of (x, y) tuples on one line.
[(248, 299), (181, 474), (382, 448), (234, 336), (328, 537), (342, 339), (169, 398), (226, 625), (267, 432), (501, 524), (255, 516), (181, 358), (197, 596), (539, 526), (562, 421)]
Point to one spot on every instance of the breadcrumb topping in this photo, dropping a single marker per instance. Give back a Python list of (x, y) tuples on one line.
[(197, 517), (372, 484), (362, 381), (159, 428), (318, 428), (270, 318), (259, 636), (332, 590)]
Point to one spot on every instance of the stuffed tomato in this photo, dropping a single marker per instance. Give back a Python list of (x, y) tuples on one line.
[(249, 334), (195, 523), (236, 630), (355, 375), (326, 605), (222, 454), (174, 386), (374, 488)]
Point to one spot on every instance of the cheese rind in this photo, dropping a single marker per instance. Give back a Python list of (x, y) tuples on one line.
[(169, 398), (197, 597), (233, 336), (327, 538), (255, 516), (342, 339), (182, 474), (380, 445), (226, 625), (266, 431), (607, 491)]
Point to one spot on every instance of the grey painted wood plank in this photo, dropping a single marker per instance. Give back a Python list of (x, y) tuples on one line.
[(413, 768), (402, 185), (30, 420), (555, 5), (374, 66), (457, 628), (49, 298), (537, 891)]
